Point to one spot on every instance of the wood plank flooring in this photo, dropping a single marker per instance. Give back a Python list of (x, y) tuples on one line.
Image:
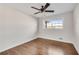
[(41, 46)]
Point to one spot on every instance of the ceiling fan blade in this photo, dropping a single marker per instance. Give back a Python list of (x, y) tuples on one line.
[(49, 10), (35, 8), (47, 4), (36, 12)]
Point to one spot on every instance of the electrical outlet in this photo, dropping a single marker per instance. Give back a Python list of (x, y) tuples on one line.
[(61, 38)]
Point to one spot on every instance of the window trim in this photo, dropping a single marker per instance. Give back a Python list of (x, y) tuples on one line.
[(54, 27)]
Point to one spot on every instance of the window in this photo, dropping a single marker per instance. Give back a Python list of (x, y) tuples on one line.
[(54, 24)]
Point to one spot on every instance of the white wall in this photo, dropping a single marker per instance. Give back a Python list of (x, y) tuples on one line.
[(15, 28), (76, 23), (66, 33)]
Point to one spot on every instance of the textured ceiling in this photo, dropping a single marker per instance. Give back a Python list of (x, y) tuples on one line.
[(26, 8)]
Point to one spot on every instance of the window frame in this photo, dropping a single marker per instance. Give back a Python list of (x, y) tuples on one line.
[(55, 19)]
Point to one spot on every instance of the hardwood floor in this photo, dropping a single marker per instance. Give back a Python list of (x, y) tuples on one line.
[(41, 46)]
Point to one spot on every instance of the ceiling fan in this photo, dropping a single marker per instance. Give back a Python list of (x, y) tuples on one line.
[(43, 8)]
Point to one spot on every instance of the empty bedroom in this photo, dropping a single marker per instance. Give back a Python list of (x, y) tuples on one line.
[(39, 29)]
